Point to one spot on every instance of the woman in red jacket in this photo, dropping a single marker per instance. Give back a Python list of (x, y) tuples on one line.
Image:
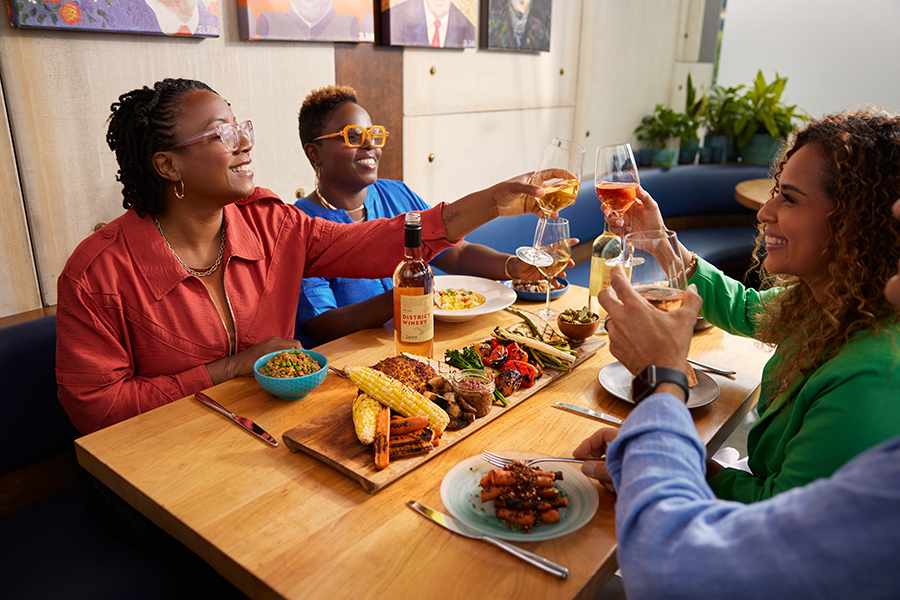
[(201, 275)]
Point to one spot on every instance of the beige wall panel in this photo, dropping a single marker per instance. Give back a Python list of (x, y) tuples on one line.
[(628, 51), (488, 80), (59, 86), (475, 150), (18, 278), (690, 30)]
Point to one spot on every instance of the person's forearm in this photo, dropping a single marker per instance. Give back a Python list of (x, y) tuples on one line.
[(338, 322), (475, 260), (467, 214)]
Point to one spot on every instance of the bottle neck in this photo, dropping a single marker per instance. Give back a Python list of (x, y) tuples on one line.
[(413, 242)]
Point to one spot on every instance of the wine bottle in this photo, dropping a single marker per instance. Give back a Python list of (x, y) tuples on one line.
[(413, 295), (606, 246)]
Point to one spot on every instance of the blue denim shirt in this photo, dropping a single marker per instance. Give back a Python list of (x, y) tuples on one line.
[(833, 538)]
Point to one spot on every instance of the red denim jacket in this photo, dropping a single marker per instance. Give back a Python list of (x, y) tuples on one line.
[(135, 330)]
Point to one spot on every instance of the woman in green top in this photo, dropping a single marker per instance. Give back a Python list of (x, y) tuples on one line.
[(826, 248)]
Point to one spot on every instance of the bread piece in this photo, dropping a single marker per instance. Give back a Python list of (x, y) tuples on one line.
[(692, 377)]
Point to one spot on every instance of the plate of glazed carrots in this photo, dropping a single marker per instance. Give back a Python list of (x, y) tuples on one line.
[(520, 504)]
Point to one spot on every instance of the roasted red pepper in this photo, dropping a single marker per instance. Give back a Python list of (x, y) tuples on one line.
[(516, 353), (497, 358), (527, 371)]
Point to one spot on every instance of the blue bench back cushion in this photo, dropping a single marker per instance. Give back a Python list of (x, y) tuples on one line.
[(37, 425)]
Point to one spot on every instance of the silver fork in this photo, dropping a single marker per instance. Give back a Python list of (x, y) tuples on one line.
[(502, 461)]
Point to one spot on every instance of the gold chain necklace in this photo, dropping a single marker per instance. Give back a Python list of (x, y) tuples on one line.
[(205, 273), (332, 207)]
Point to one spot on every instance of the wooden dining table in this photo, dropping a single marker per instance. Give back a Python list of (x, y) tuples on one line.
[(753, 193), (279, 524)]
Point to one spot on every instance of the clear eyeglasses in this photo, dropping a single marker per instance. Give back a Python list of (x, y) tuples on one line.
[(355, 136), (230, 135)]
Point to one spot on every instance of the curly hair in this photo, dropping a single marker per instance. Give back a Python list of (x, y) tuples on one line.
[(318, 106), (861, 174), (142, 123)]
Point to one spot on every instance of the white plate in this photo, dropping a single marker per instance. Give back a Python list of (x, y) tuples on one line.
[(496, 296), (461, 494), (617, 381)]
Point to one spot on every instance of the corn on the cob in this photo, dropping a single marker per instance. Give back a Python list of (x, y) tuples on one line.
[(397, 396), (365, 408)]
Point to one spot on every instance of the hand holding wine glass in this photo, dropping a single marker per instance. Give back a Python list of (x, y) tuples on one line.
[(616, 178), (552, 238), (657, 272), (559, 173)]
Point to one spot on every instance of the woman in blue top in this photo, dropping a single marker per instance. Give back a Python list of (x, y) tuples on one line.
[(348, 190)]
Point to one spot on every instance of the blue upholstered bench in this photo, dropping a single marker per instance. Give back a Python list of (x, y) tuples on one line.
[(50, 547)]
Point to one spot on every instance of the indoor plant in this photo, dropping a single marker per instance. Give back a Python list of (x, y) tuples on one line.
[(691, 121), (726, 113), (770, 122), (660, 130)]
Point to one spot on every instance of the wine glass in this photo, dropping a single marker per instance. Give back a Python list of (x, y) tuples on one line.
[(559, 190), (657, 272), (552, 238), (616, 178)]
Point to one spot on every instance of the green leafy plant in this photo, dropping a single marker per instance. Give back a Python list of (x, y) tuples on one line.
[(740, 112), (659, 126), (694, 116)]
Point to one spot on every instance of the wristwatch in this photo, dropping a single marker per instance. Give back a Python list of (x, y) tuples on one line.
[(646, 382)]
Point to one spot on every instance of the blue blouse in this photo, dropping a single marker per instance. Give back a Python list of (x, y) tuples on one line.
[(385, 199)]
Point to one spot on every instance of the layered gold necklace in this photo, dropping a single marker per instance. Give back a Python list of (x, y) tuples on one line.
[(194, 272)]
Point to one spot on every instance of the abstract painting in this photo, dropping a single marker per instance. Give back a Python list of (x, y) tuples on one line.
[(158, 17)]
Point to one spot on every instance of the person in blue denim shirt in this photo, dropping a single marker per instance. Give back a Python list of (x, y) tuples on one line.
[(836, 537)]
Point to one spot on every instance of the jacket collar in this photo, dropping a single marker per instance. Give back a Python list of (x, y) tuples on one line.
[(157, 264)]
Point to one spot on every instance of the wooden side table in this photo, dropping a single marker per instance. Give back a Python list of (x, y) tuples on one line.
[(753, 193)]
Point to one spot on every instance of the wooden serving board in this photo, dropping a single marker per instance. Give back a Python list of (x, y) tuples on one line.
[(332, 439)]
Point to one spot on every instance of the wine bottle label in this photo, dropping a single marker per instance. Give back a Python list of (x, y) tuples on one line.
[(416, 318)]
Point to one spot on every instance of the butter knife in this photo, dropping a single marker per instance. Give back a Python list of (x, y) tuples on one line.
[(456, 527), (242, 421), (590, 413)]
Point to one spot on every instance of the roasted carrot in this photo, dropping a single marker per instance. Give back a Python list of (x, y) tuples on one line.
[(550, 516), (490, 492), (522, 518), (408, 425), (382, 438), (502, 477), (410, 449)]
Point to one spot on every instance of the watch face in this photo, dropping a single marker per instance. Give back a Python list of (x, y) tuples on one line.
[(646, 382)]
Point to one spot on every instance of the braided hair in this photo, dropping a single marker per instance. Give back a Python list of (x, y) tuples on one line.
[(142, 123)]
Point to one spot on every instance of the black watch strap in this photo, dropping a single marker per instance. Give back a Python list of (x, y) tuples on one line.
[(646, 382)]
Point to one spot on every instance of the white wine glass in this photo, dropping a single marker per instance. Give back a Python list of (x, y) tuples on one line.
[(657, 271), (552, 238), (616, 178), (559, 173)]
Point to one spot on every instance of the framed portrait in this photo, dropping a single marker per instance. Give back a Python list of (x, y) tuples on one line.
[(307, 20), (429, 23), (516, 25), (157, 17)]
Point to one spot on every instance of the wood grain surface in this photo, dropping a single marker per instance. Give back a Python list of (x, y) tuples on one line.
[(279, 524)]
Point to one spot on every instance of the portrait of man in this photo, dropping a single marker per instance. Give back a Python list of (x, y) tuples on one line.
[(306, 20), (435, 23), (518, 25)]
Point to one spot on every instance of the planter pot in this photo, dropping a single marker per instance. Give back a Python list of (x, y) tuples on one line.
[(688, 152), (717, 146), (760, 150), (667, 157), (644, 157)]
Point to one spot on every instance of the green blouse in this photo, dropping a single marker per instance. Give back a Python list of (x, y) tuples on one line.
[(848, 405)]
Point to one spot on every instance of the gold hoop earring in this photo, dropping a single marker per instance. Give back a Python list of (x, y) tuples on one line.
[(181, 195)]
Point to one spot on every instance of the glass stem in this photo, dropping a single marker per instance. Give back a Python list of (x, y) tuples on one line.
[(547, 302), (542, 224)]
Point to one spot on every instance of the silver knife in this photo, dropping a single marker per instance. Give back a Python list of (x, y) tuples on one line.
[(456, 527), (590, 413), (711, 368), (242, 421)]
